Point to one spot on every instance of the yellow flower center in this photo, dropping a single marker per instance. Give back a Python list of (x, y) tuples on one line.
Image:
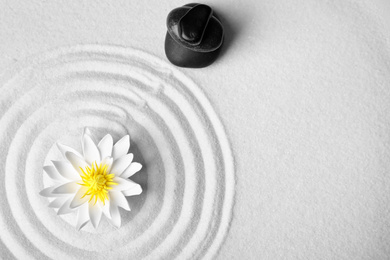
[(97, 181)]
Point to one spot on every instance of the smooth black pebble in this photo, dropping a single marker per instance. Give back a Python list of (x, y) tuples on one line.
[(194, 37)]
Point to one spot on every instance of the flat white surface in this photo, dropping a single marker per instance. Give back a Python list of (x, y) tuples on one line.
[(303, 89)]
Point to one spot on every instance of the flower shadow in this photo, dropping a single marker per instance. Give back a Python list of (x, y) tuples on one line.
[(141, 177)]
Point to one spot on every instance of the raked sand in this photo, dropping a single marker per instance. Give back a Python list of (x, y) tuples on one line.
[(188, 174), (279, 150)]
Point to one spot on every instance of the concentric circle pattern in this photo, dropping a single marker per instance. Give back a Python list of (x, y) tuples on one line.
[(188, 175)]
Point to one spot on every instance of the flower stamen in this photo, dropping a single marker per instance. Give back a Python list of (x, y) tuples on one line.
[(97, 182)]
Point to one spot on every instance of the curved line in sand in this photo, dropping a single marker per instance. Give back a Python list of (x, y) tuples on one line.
[(120, 90)]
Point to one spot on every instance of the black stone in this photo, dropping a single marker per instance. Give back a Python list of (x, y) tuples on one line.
[(195, 36)]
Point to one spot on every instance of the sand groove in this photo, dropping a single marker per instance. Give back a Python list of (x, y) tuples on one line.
[(188, 176)]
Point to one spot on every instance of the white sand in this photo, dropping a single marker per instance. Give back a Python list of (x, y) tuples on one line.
[(302, 89), (188, 174)]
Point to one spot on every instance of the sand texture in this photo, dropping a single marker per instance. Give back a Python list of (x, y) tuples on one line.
[(279, 150), (188, 178)]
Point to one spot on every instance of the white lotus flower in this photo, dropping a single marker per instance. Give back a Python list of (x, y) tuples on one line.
[(95, 182)]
